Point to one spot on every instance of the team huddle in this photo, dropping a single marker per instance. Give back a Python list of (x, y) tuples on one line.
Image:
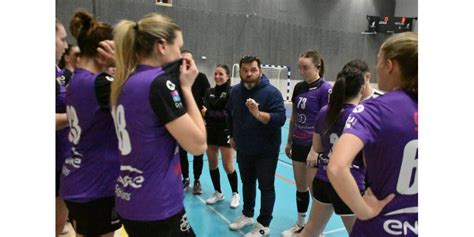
[(132, 104)]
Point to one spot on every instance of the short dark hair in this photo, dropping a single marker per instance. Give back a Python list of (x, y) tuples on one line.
[(250, 59), (358, 64)]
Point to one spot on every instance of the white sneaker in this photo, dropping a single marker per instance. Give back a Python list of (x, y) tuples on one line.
[(240, 222), (216, 197), (258, 231), (293, 231), (235, 201)]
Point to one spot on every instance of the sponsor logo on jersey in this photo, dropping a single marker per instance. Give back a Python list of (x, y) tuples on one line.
[(130, 179), (358, 109), (176, 99), (62, 80), (398, 227), (109, 78), (171, 86), (351, 121), (301, 118)]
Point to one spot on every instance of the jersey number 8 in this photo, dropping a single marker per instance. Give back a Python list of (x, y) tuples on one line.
[(125, 146), (75, 129)]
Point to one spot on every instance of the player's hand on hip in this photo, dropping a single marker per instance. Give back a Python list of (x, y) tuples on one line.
[(375, 205)]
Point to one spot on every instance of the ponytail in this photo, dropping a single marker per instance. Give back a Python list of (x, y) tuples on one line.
[(125, 56), (321, 68), (348, 84), (336, 103)]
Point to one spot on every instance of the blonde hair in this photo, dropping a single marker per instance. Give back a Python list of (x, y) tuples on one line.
[(403, 48), (137, 39)]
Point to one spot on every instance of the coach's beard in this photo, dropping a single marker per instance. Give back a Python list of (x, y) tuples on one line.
[(249, 85)]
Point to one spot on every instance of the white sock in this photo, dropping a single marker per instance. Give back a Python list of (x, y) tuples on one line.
[(301, 219)]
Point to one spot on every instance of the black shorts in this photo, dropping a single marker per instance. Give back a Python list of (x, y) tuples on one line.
[(299, 152), (175, 226), (58, 181), (218, 137), (325, 193), (94, 218)]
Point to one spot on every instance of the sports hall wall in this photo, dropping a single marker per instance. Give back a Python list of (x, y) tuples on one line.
[(277, 31)]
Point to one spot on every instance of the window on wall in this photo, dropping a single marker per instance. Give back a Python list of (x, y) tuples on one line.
[(167, 3)]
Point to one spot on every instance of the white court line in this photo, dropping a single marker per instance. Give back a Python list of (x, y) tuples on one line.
[(335, 230), (285, 163), (218, 213)]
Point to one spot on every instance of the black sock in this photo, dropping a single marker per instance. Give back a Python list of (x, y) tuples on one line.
[(302, 201), (216, 179), (197, 166), (183, 158), (233, 181)]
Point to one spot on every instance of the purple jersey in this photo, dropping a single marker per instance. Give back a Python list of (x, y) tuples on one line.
[(388, 127), (92, 168), (328, 140), (307, 100), (62, 144), (58, 72), (149, 187)]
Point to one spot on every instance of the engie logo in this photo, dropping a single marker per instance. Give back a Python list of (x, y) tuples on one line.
[(398, 227)]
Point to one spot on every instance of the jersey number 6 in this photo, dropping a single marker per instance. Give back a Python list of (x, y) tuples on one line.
[(408, 170)]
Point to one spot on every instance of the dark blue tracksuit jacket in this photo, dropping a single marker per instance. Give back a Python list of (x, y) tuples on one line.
[(251, 136)]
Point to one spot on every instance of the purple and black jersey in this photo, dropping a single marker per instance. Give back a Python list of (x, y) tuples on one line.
[(92, 167), (62, 144), (329, 139), (307, 100), (388, 127), (149, 187), (215, 101)]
